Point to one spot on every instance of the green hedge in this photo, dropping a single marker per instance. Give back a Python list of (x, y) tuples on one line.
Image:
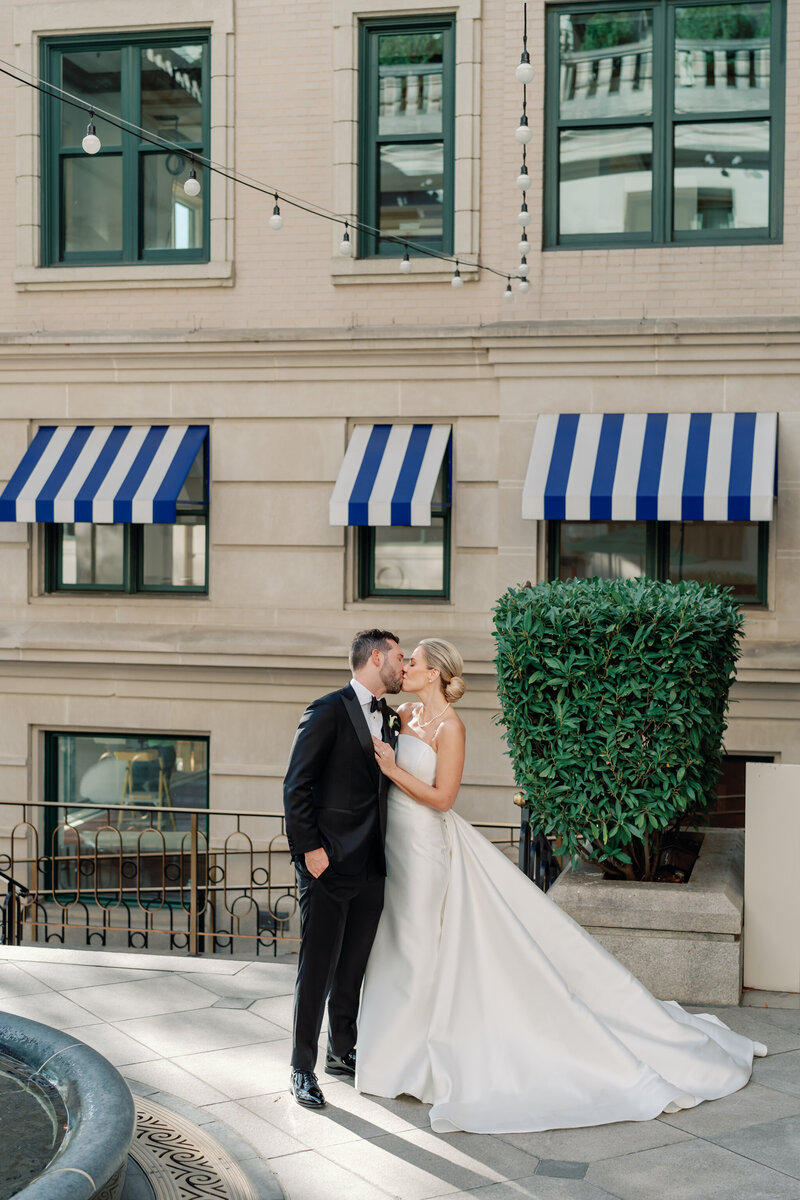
[(613, 698)]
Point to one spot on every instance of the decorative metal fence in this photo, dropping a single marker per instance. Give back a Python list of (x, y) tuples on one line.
[(129, 877)]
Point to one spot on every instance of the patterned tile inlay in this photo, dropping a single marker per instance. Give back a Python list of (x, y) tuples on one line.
[(182, 1162)]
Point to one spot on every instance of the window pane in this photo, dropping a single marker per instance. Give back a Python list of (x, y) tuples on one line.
[(194, 487), (140, 772), (172, 220), (93, 76), (410, 558), (722, 57), (93, 203), (602, 549), (722, 552), (410, 83), (606, 64), (175, 555), (722, 175), (606, 180), (92, 555), (412, 190), (172, 98)]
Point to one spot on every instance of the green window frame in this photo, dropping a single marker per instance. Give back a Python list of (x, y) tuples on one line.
[(371, 587), (656, 547), (133, 581), (101, 877), (371, 139), (664, 124), (129, 161)]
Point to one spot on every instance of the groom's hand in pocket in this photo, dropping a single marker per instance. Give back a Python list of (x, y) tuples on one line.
[(317, 861)]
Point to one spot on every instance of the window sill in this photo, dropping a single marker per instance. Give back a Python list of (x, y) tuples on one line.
[(129, 275), (387, 270)]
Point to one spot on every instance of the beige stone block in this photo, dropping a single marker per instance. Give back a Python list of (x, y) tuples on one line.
[(531, 396), (515, 569), (118, 402), (515, 441), (772, 882), (515, 533), (270, 450), (657, 394), (787, 586), (475, 512), (278, 578), (14, 573), (475, 449), (13, 444), (281, 514), (428, 399), (788, 448), (763, 392), (474, 586), (368, 399), (786, 526)]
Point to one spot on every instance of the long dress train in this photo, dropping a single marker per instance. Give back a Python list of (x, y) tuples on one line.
[(483, 999)]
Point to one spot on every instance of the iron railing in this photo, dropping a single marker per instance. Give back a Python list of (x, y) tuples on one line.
[(152, 878)]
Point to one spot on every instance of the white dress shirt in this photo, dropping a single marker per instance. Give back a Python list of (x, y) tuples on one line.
[(374, 719)]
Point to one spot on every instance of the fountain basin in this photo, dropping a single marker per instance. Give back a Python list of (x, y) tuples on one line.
[(81, 1105)]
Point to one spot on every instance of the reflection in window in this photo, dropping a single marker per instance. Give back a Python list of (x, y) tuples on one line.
[(93, 555), (601, 549), (606, 64), (722, 58), (410, 83), (172, 220), (409, 558), (92, 204), (174, 556), (722, 175), (606, 180), (411, 190), (723, 552), (147, 781)]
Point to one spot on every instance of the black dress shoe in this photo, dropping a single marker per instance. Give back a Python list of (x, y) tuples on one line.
[(306, 1090), (346, 1065)]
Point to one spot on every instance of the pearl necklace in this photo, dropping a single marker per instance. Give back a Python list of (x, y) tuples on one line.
[(425, 724)]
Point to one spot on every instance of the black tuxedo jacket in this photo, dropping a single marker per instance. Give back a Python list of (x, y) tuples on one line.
[(334, 794)]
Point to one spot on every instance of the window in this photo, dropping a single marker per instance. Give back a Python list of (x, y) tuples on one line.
[(406, 135), (409, 560), (728, 553), (85, 557), (665, 123), (125, 204), (140, 844)]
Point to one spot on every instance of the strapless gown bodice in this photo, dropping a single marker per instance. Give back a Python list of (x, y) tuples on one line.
[(486, 1001)]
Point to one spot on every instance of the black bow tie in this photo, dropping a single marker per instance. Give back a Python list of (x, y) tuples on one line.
[(380, 706)]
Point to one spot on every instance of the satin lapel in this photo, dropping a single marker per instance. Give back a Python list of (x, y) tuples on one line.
[(354, 712)]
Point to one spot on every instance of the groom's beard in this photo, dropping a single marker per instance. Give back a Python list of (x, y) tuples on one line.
[(392, 680)]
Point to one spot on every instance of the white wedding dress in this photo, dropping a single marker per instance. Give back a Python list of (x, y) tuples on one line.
[(483, 999)]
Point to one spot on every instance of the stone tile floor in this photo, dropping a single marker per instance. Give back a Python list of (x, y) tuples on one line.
[(210, 1039)]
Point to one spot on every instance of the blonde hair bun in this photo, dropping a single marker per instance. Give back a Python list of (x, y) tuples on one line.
[(443, 657)]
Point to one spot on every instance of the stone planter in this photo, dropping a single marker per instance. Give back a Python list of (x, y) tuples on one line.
[(682, 940)]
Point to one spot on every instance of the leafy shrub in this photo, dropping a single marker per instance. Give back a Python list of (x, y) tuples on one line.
[(613, 698)]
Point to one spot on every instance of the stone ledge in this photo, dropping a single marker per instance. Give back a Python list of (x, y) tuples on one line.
[(711, 902)]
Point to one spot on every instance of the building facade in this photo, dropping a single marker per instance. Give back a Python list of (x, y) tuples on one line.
[(162, 627)]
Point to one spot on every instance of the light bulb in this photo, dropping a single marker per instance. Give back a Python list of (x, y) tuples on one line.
[(405, 265), (276, 220), (457, 281), (524, 217), (524, 72), (524, 286), (508, 294), (91, 143), (524, 246), (523, 268), (192, 185), (524, 133), (345, 246), (523, 179)]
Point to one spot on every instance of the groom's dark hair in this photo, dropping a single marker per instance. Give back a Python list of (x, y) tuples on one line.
[(368, 640)]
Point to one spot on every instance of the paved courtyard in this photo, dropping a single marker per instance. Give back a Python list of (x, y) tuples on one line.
[(210, 1039)]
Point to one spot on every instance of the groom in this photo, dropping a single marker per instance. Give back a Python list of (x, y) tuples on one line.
[(335, 801)]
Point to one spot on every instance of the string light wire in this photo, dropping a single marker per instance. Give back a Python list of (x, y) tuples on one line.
[(54, 92)]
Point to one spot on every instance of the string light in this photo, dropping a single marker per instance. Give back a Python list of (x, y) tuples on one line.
[(457, 281), (508, 294), (91, 143), (524, 72), (524, 217), (524, 133), (276, 220), (524, 286), (524, 245), (524, 180), (345, 247), (523, 268), (192, 185)]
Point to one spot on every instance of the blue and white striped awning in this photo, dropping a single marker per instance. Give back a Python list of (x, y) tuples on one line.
[(131, 474), (652, 467), (389, 474)]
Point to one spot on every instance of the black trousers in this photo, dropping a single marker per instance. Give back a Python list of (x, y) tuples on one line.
[(340, 915)]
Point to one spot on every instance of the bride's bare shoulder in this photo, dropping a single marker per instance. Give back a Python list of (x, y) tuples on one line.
[(452, 727)]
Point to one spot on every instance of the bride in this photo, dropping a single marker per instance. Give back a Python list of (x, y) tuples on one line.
[(482, 998)]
